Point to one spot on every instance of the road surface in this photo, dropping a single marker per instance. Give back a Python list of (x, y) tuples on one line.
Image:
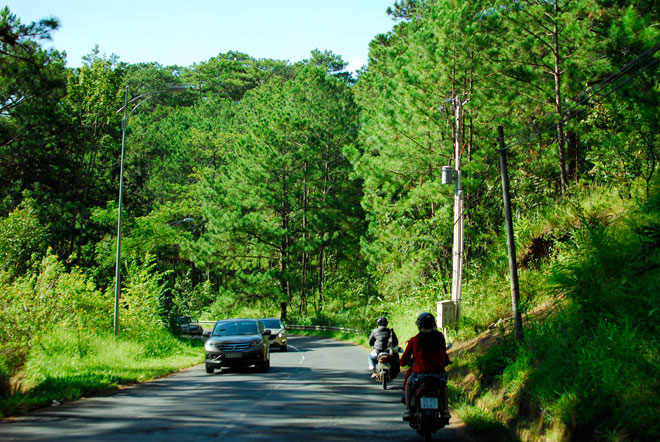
[(317, 391)]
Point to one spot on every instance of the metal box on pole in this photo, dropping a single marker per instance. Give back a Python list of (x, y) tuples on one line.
[(446, 314), (447, 174)]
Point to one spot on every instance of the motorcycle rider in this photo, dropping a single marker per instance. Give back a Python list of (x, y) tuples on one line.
[(381, 339), (426, 354)]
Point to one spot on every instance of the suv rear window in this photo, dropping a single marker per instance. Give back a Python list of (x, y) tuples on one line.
[(271, 323)]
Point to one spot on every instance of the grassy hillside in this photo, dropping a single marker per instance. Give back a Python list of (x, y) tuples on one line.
[(588, 366), (63, 367)]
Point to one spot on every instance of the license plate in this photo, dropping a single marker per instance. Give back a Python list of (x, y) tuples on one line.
[(385, 366), (428, 402), (233, 355)]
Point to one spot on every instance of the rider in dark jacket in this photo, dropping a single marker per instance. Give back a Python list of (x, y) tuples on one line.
[(381, 339)]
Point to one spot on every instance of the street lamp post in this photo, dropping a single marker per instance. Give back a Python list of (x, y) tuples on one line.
[(124, 123)]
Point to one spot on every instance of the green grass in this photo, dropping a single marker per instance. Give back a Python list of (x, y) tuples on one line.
[(589, 370), (62, 367)]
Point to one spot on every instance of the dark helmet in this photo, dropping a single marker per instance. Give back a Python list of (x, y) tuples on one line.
[(382, 321), (426, 321)]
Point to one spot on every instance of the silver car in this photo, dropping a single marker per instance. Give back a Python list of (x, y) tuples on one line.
[(278, 335), (237, 343)]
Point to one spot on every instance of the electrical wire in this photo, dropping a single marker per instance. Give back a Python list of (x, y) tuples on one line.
[(643, 62), (587, 96)]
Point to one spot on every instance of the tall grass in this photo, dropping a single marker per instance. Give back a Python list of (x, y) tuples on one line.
[(591, 369), (66, 365), (56, 341)]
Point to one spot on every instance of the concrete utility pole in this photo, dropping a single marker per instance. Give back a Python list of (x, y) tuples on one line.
[(457, 255), (510, 240), (449, 312)]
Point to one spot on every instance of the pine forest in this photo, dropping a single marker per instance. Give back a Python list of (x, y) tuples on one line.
[(266, 188)]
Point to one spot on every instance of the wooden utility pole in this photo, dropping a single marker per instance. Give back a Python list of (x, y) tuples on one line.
[(510, 240)]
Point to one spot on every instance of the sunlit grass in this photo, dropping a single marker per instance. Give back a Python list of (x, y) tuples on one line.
[(588, 368), (63, 367)]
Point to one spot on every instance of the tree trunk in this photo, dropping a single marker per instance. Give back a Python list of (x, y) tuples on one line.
[(284, 244), (303, 293), (321, 258), (558, 106), (574, 155)]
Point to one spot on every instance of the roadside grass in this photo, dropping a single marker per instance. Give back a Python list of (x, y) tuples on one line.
[(589, 367), (62, 367)]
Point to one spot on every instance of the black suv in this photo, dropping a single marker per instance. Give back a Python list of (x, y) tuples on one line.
[(188, 326), (237, 343)]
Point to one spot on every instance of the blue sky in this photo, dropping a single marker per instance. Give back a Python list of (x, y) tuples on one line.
[(187, 32)]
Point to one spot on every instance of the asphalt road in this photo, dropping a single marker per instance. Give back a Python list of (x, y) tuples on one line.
[(317, 391)]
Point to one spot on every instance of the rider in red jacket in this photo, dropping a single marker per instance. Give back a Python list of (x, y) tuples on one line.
[(426, 354)]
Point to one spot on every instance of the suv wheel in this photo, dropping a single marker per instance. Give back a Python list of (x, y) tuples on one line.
[(209, 369)]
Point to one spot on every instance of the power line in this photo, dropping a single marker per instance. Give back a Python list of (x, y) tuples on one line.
[(644, 62)]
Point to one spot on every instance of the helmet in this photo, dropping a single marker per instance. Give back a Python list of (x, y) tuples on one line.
[(426, 321), (382, 321)]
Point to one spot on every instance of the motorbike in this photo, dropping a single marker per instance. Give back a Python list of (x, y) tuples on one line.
[(425, 408), (387, 368)]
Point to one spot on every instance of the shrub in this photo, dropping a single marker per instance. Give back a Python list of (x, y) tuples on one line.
[(141, 311), (22, 240), (33, 304)]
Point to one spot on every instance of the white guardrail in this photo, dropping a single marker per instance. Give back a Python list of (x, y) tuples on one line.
[(208, 325), (322, 328)]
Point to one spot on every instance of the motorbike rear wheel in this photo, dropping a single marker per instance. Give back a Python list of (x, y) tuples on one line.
[(383, 380), (425, 429)]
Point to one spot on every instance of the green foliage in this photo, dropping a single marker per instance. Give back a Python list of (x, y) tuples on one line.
[(589, 370), (282, 211), (234, 73), (141, 312), (193, 300), (32, 83), (406, 137), (22, 240), (35, 304), (55, 325), (101, 362)]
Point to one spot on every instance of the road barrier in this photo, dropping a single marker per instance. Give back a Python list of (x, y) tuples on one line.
[(322, 328), (208, 325)]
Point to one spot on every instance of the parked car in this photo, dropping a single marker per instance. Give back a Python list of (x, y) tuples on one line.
[(278, 335), (189, 326), (237, 343)]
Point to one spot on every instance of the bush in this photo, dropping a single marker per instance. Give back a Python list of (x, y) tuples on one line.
[(22, 240), (33, 304), (140, 310)]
